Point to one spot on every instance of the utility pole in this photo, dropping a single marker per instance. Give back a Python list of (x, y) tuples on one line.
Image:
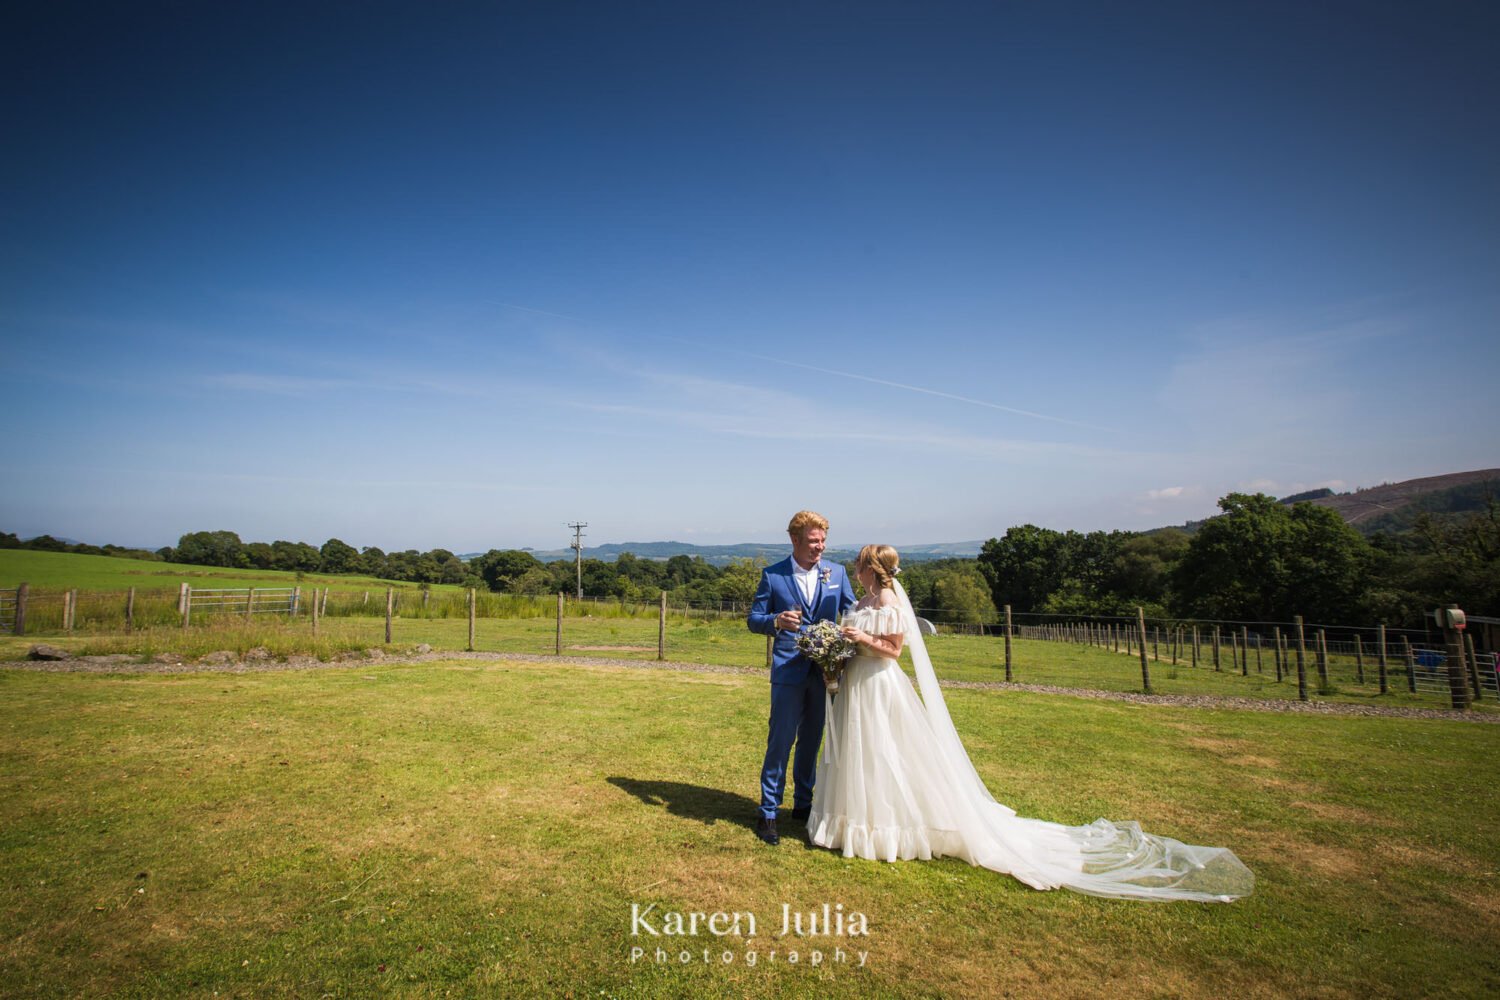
[(577, 548)]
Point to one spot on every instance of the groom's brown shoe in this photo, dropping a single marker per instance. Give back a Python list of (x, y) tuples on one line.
[(765, 829)]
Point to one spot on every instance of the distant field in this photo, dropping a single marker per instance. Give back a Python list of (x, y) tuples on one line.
[(61, 570), (507, 623)]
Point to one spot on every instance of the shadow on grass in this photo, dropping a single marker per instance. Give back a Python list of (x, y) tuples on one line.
[(707, 805)]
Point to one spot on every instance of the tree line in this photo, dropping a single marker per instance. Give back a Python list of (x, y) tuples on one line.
[(1261, 559)]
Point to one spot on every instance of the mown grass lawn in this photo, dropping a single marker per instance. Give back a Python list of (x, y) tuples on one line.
[(465, 829)]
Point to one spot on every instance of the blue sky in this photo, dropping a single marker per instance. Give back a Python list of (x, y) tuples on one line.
[(422, 275)]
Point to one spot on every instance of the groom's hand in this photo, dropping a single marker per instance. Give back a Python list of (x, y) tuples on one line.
[(789, 621)]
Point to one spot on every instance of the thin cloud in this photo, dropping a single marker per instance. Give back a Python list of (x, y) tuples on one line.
[(824, 432), (912, 388), (278, 385), (530, 309)]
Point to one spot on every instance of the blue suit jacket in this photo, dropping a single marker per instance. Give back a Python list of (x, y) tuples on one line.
[(778, 592)]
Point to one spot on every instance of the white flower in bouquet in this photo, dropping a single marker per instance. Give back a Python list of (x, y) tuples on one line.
[(825, 644)]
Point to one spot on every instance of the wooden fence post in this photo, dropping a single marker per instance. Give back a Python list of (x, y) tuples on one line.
[(1458, 681), (1195, 645), (390, 608), (249, 602), (1281, 670), (323, 610), (661, 628), (1244, 650), (1323, 685), (1008, 675), (1301, 660), (1234, 648), (1216, 647), (1259, 642), (472, 601), (130, 610), (1359, 659), (296, 601), (559, 622), (1411, 665), (185, 602), (314, 614), (68, 599), (1140, 625), (1380, 652)]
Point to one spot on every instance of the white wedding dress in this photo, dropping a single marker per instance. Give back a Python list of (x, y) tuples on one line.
[(895, 783)]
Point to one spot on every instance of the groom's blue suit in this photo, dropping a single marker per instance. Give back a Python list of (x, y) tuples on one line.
[(797, 705)]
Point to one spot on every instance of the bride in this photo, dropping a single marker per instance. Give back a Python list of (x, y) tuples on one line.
[(895, 782)]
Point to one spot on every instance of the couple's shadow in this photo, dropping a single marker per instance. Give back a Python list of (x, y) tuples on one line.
[(706, 805)]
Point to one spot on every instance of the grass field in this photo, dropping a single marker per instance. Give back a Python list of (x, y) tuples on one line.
[(461, 829), (59, 570)]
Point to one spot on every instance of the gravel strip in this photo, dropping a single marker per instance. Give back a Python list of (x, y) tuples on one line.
[(126, 664)]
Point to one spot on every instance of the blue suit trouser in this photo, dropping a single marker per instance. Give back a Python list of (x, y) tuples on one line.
[(797, 712)]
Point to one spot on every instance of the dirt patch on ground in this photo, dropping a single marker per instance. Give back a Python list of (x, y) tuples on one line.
[(1342, 814)]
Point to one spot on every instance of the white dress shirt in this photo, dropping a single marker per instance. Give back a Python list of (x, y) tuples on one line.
[(807, 579)]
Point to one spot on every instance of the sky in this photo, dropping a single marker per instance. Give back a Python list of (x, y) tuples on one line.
[(456, 274)]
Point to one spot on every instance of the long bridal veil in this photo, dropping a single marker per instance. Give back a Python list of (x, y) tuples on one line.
[(1116, 860)]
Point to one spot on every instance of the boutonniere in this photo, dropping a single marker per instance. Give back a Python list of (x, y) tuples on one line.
[(826, 575)]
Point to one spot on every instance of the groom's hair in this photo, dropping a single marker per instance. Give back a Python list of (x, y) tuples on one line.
[(804, 519)]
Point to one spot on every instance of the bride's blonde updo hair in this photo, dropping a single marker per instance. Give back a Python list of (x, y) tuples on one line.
[(884, 560)]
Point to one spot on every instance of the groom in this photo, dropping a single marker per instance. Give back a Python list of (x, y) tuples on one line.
[(793, 594)]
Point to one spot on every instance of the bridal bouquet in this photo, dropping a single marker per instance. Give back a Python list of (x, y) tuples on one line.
[(825, 645)]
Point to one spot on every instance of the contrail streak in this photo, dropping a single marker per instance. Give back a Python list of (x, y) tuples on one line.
[(911, 388)]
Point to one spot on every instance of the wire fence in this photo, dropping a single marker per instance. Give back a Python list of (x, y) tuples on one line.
[(1259, 658), (9, 600)]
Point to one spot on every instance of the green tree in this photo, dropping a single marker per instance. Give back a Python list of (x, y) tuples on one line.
[(739, 579), (373, 562), (296, 556), (261, 555), (337, 557), (212, 548), (959, 596), (1024, 567), (1264, 561), (500, 568)]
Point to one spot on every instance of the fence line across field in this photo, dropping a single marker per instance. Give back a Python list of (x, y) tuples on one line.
[(1414, 660)]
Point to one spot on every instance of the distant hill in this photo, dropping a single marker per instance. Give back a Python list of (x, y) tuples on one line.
[(721, 555), (1394, 506)]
